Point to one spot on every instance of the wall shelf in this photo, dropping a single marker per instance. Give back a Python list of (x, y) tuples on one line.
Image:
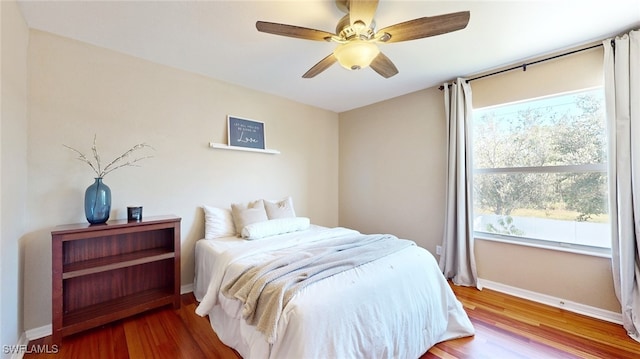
[(246, 149)]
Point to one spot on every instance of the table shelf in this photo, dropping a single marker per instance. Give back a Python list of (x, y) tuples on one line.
[(110, 271)]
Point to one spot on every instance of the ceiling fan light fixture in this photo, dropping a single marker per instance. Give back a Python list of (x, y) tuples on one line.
[(357, 38), (356, 54)]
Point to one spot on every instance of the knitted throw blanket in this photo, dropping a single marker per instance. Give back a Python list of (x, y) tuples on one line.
[(267, 288)]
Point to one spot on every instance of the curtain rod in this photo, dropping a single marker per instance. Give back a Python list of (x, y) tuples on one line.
[(524, 65)]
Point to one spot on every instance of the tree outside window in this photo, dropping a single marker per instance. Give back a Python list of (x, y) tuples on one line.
[(540, 169)]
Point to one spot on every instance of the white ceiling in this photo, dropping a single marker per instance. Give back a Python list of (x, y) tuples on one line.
[(219, 39)]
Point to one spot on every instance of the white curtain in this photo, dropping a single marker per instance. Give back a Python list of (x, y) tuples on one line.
[(622, 93), (457, 260)]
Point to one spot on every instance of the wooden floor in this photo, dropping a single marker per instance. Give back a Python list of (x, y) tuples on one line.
[(506, 327)]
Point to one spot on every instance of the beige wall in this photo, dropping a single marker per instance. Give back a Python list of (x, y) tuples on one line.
[(569, 73), (392, 171), (392, 167), (13, 168), (78, 90)]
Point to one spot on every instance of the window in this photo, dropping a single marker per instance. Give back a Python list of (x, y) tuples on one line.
[(540, 172)]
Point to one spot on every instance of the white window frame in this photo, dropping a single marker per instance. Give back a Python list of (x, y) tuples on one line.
[(542, 243)]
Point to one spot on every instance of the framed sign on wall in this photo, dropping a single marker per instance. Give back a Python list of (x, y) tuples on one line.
[(242, 132)]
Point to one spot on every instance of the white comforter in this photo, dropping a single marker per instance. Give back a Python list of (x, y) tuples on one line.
[(395, 307)]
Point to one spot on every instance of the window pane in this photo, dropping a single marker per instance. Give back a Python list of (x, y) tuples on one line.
[(561, 130), (559, 207), (540, 170)]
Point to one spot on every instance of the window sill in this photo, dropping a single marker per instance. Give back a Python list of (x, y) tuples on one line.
[(554, 246)]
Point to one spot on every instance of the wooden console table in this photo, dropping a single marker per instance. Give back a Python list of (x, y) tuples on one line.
[(106, 272)]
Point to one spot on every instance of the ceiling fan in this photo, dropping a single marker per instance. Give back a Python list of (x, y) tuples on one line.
[(357, 38)]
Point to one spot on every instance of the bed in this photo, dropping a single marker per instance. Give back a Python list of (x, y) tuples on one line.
[(392, 303)]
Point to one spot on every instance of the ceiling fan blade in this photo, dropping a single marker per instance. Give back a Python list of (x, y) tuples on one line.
[(383, 66), (426, 26), (320, 66), (292, 31), (362, 10)]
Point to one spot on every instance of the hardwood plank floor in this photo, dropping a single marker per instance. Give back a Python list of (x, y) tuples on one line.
[(506, 327), (510, 327)]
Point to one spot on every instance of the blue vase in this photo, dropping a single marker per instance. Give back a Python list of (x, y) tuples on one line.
[(97, 202)]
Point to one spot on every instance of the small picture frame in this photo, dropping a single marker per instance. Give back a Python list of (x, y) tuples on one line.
[(134, 213), (242, 132)]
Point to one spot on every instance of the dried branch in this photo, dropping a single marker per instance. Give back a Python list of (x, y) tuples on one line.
[(113, 165)]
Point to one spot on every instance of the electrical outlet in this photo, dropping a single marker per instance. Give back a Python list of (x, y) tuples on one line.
[(438, 250)]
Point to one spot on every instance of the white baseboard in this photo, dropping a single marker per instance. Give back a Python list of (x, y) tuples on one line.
[(556, 302), (23, 347), (187, 288), (22, 343), (40, 332)]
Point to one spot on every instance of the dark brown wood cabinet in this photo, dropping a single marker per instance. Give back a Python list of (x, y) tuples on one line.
[(106, 272)]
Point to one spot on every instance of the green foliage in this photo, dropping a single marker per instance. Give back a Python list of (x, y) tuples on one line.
[(533, 136), (506, 226), (586, 193)]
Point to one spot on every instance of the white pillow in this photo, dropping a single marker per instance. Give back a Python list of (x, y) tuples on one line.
[(248, 213), (218, 222), (280, 209), (274, 226)]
